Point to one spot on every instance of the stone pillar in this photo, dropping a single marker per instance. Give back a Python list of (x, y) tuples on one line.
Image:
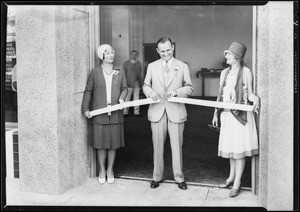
[(274, 65), (53, 64)]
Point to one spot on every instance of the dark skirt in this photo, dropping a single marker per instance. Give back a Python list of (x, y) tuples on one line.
[(107, 136)]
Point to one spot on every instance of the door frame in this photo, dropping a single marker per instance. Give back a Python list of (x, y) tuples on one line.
[(94, 24), (94, 28), (254, 166)]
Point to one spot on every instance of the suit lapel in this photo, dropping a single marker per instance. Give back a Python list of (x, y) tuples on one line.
[(172, 72)]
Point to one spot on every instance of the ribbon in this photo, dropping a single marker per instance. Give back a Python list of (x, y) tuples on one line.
[(211, 103), (121, 106)]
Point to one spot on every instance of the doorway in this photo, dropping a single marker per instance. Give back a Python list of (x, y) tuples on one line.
[(201, 165), (197, 47)]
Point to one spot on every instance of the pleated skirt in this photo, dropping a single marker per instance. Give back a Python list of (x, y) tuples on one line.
[(107, 136), (236, 140)]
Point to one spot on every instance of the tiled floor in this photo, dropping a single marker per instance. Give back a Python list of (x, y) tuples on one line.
[(130, 192)]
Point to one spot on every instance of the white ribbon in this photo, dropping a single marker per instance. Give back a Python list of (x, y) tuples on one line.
[(211, 103), (121, 106), (173, 99)]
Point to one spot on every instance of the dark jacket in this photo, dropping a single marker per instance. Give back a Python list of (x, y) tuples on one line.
[(95, 93), (133, 73)]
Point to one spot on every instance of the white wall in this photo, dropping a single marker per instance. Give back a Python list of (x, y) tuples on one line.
[(201, 34)]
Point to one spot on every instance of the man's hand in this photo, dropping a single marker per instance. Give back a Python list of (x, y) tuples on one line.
[(153, 96), (171, 94)]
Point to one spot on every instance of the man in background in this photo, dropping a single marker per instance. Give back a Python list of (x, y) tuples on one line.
[(133, 71)]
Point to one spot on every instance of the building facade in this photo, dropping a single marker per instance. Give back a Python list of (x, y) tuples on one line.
[(62, 41)]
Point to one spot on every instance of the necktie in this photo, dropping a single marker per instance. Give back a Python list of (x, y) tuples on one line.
[(166, 67), (166, 77), (166, 72)]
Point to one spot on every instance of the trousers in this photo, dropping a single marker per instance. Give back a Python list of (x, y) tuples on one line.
[(136, 95), (159, 133)]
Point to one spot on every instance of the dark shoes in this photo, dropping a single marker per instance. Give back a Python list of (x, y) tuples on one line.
[(235, 192), (155, 184), (182, 185), (226, 184)]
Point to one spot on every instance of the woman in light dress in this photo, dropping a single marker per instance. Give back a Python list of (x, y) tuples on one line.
[(238, 135)]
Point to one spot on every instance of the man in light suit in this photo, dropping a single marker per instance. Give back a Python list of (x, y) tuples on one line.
[(167, 77)]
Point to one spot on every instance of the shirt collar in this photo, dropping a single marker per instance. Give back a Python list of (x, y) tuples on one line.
[(169, 62)]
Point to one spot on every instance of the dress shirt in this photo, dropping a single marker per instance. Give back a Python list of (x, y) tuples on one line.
[(169, 62), (108, 81)]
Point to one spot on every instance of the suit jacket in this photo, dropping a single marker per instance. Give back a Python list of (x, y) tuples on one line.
[(179, 81), (95, 93), (133, 73)]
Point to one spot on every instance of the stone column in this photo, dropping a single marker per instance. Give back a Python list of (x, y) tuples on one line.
[(53, 63), (274, 65)]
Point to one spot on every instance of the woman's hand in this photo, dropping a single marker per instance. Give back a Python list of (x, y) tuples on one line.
[(215, 120), (121, 101), (87, 114), (256, 104)]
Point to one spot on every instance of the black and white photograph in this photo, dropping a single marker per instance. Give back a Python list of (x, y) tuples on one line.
[(169, 105)]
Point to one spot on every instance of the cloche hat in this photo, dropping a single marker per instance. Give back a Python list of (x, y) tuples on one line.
[(101, 49), (238, 49)]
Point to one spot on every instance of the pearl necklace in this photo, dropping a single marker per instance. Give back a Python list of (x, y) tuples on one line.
[(106, 71)]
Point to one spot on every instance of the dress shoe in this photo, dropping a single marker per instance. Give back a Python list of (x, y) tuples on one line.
[(155, 184), (235, 192), (182, 185), (101, 180), (111, 179), (226, 184)]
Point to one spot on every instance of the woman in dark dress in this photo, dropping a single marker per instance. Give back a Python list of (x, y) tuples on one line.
[(106, 86)]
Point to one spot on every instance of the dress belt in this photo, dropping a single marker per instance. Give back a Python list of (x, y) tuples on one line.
[(109, 104)]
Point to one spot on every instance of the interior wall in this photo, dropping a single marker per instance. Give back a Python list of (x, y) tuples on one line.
[(201, 34), (120, 34), (105, 29)]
